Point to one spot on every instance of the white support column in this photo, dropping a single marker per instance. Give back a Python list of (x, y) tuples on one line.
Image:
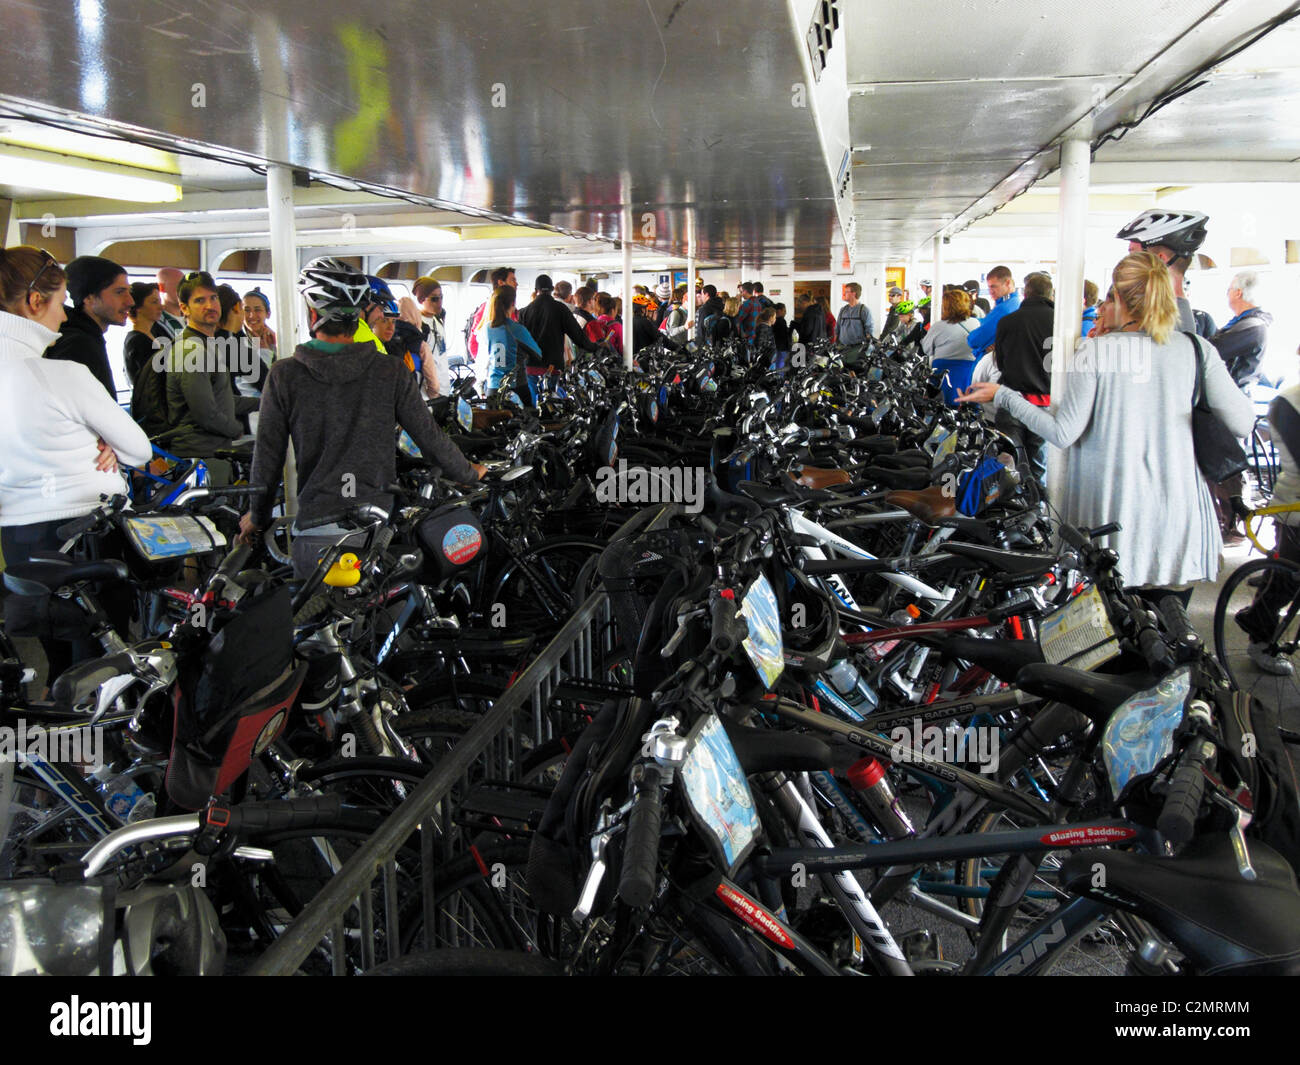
[(284, 277), (1076, 158), (626, 235), (688, 304), (936, 283)]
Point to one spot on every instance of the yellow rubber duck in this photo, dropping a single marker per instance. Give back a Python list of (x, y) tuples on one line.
[(345, 572)]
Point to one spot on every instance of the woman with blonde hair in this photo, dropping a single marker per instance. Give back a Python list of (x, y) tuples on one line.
[(1124, 423)]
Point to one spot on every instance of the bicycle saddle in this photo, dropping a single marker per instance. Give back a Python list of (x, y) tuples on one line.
[(1093, 695), (1003, 658), (929, 505), (242, 453), (762, 750), (818, 477), (1011, 563), (768, 496), (1225, 925), (903, 460), (42, 576)]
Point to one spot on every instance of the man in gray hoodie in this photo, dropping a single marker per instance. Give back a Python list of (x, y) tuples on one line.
[(338, 400)]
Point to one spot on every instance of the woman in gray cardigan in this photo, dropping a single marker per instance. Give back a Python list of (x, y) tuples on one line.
[(1125, 425)]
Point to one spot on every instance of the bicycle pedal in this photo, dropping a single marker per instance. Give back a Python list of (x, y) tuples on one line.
[(920, 945)]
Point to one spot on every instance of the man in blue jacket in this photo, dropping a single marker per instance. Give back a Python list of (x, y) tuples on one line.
[(1002, 287)]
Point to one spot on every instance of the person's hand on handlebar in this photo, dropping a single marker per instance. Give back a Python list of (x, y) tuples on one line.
[(249, 532), (480, 469), (106, 461)]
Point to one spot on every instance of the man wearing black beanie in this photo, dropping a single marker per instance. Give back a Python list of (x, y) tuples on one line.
[(101, 296)]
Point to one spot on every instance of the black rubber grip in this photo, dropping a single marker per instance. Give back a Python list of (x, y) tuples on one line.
[(77, 682), (333, 518), (234, 491), (640, 876), (1154, 649), (722, 613), (275, 816), (234, 561), (1178, 626), (77, 526), (815, 567), (1104, 530), (1072, 536), (1177, 822)]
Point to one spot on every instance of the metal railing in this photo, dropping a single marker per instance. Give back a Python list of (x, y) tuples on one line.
[(576, 652)]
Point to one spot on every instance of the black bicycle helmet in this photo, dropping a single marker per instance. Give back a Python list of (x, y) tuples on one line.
[(337, 291), (1182, 232)]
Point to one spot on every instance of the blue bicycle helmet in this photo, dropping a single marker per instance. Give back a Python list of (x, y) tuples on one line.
[(382, 296)]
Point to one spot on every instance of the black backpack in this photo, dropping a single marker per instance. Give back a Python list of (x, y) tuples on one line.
[(1258, 757)]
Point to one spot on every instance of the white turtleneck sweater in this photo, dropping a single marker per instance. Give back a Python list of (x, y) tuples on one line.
[(52, 415)]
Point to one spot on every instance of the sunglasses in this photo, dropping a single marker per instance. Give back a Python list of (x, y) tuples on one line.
[(50, 260)]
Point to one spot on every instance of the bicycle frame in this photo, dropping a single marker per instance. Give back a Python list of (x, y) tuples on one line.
[(802, 525)]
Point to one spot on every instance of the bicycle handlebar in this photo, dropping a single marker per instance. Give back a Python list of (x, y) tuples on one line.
[(639, 877)]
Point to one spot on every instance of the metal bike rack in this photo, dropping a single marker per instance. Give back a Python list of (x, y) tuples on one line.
[(523, 710)]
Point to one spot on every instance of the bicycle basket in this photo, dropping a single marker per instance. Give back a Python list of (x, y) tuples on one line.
[(450, 539)]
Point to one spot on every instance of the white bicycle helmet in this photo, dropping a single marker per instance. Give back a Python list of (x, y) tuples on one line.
[(336, 290), (1182, 232)]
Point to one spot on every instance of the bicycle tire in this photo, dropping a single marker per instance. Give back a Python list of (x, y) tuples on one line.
[(1229, 640)]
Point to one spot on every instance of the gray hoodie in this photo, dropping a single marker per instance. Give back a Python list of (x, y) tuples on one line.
[(340, 403)]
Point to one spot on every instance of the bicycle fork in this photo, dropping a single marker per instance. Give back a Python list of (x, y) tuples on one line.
[(842, 886)]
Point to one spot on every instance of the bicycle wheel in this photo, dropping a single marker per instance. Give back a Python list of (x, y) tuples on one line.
[(267, 895), (539, 592), (1231, 642), (1102, 951)]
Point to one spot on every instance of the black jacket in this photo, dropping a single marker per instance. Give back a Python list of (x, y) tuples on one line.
[(811, 325), (82, 340), (1242, 343), (710, 308), (137, 351), (1023, 339), (781, 332), (645, 333), (550, 321), (338, 406)]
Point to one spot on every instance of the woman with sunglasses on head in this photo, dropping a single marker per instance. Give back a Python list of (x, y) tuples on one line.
[(61, 436), (1124, 424)]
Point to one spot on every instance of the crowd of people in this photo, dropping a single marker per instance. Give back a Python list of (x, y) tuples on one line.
[(204, 376)]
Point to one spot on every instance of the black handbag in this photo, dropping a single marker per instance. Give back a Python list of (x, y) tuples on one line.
[(1219, 454)]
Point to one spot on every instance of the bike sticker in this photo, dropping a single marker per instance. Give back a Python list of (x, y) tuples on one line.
[(461, 543), (754, 915), (763, 644), (718, 794), (1088, 835), (269, 732), (1079, 634)]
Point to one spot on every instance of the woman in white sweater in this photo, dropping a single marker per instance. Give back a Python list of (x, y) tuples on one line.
[(1125, 424), (61, 434)]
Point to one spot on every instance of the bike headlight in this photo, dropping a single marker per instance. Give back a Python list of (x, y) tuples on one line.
[(51, 929), (1141, 732)]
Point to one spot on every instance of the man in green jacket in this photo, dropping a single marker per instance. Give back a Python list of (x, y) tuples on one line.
[(204, 412)]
